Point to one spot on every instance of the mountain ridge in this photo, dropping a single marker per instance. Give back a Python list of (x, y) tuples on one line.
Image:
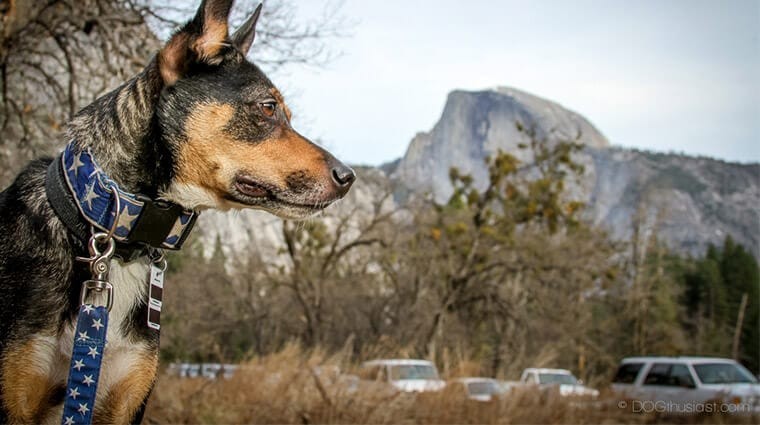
[(689, 200)]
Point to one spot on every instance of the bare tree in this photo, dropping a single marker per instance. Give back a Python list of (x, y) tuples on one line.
[(326, 254), (55, 57)]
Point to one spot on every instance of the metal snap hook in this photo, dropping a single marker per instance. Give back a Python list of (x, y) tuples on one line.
[(101, 238)]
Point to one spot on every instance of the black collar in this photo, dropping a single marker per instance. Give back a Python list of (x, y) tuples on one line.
[(153, 223)]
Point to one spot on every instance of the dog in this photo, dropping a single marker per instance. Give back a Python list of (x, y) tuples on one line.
[(199, 127)]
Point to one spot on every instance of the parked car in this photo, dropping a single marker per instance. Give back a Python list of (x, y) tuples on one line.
[(562, 379), (686, 383), (406, 375), (190, 370), (480, 389), (206, 370), (211, 370)]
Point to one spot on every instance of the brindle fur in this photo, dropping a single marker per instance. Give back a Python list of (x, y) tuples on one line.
[(192, 128)]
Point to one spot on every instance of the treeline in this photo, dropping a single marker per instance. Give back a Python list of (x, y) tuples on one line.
[(720, 292), (501, 277)]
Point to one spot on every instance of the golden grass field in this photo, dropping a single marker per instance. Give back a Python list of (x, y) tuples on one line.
[(288, 388)]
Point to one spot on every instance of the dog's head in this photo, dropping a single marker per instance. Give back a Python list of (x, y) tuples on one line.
[(228, 127)]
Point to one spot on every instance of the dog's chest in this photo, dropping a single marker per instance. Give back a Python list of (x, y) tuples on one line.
[(130, 283)]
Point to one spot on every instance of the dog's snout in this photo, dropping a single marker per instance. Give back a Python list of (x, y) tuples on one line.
[(344, 177)]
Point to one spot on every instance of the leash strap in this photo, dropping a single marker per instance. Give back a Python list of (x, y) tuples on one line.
[(86, 359), (140, 219)]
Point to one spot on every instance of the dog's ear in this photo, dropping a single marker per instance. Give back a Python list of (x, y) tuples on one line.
[(200, 40), (243, 37)]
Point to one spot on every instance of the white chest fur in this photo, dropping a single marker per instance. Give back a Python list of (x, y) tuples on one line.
[(130, 283)]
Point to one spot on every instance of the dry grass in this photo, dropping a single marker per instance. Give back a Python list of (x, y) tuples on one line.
[(291, 387)]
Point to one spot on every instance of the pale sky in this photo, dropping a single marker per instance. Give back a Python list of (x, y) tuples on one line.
[(668, 75)]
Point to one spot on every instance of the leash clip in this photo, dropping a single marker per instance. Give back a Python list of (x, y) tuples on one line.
[(100, 260), (99, 267)]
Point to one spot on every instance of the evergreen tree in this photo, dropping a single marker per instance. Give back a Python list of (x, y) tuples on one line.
[(741, 276)]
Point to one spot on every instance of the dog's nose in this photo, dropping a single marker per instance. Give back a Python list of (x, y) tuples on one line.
[(344, 177)]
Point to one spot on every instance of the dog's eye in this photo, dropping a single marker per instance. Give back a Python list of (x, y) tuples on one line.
[(268, 107)]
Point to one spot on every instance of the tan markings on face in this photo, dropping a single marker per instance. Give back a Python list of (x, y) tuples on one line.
[(277, 158), (281, 101), (207, 149), (211, 158)]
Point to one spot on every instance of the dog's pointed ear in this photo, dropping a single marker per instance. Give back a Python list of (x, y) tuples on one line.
[(243, 37), (200, 40)]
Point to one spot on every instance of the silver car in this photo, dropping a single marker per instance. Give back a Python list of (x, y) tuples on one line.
[(686, 385)]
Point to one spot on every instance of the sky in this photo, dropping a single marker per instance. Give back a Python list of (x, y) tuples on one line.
[(669, 75)]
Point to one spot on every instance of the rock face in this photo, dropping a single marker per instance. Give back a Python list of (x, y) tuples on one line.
[(477, 124), (688, 201)]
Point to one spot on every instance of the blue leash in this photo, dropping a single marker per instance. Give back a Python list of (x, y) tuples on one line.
[(86, 359)]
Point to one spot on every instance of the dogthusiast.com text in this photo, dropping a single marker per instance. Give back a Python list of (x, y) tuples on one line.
[(646, 406)]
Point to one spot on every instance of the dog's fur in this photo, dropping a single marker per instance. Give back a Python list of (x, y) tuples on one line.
[(201, 127)]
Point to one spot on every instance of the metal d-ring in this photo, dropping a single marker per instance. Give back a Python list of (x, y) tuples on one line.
[(115, 223), (102, 237)]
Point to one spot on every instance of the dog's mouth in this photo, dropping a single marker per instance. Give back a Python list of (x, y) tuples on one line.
[(250, 192), (251, 188)]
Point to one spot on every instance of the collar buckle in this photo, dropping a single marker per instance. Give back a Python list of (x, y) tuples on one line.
[(156, 221)]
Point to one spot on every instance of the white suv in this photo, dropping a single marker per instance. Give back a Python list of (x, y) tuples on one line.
[(407, 375), (688, 384)]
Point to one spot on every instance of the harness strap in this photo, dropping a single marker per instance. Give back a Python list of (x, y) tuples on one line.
[(86, 359)]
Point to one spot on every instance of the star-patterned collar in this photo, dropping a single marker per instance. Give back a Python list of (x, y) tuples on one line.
[(139, 219)]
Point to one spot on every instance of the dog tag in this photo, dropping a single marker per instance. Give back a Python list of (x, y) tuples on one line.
[(155, 297)]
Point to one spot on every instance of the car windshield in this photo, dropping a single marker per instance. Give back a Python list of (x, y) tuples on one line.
[(557, 378), (400, 372), (723, 373), (482, 388)]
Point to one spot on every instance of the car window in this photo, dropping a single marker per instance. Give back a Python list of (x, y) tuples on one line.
[(482, 388), (680, 376), (659, 374), (627, 373), (401, 372), (557, 378), (531, 379), (723, 373)]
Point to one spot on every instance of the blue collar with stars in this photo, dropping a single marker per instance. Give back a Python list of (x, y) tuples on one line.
[(140, 220)]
